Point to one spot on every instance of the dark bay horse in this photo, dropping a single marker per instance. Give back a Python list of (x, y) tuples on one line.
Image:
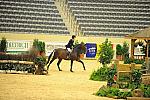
[(63, 53)]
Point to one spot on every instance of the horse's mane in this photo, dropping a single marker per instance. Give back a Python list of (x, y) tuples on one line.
[(76, 46)]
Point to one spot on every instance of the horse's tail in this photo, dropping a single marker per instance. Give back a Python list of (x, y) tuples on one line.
[(50, 57)]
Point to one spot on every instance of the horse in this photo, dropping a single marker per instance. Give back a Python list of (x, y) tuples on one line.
[(61, 54)]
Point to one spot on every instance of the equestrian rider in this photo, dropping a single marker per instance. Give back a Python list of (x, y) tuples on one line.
[(70, 44)]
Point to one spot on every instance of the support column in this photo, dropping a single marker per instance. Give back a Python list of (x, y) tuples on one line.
[(147, 49), (114, 48), (147, 64)]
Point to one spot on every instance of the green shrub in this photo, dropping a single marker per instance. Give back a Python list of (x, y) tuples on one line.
[(3, 45), (39, 45), (110, 76), (118, 49), (104, 73), (100, 74), (102, 92), (40, 60), (106, 52), (136, 77), (136, 61), (147, 91), (110, 92), (124, 95)]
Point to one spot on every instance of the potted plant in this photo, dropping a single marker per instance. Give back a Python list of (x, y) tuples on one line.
[(3, 45), (119, 52), (39, 46), (118, 49)]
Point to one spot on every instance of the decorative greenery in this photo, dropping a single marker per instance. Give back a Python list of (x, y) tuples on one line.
[(39, 45), (146, 91), (106, 52), (3, 45), (104, 73), (125, 51), (143, 87), (119, 49), (40, 60), (112, 92), (136, 61), (136, 78), (107, 91), (145, 66), (116, 92), (124, 78), (124, 95), (100, 74), (111, 72)]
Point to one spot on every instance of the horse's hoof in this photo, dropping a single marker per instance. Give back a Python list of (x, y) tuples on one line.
[(60, 70), (46, 72), (71, 71)]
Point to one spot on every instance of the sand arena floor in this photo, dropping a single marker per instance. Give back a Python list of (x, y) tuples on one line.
[(54, 86)]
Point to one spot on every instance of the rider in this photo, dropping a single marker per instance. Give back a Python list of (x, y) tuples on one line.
[(70, 44)]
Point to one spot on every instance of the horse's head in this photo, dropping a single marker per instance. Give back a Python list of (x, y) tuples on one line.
[(83, 47), (80, 48)]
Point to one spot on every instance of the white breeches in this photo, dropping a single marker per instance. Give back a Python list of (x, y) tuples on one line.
[(69, 49)]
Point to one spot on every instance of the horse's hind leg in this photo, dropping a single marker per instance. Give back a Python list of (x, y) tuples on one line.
[(50, 63), (82, 64), (58, 63)]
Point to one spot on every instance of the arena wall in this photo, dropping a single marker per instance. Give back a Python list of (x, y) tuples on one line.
[(60, 38)]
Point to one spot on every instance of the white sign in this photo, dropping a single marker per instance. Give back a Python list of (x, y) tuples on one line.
[(18, 45), (50, 46)]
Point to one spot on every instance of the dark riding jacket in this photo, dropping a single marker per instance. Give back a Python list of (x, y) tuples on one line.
[(70, 44)]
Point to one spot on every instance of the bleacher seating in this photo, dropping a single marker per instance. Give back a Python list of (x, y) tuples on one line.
[(31, 16), (110, 17)]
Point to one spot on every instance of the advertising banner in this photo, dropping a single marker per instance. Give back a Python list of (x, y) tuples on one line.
[(50, 46), (91, 50), (18, 46)]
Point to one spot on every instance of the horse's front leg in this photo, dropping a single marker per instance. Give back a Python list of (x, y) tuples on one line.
[(58, 63), (82, 64), (71, 65)]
